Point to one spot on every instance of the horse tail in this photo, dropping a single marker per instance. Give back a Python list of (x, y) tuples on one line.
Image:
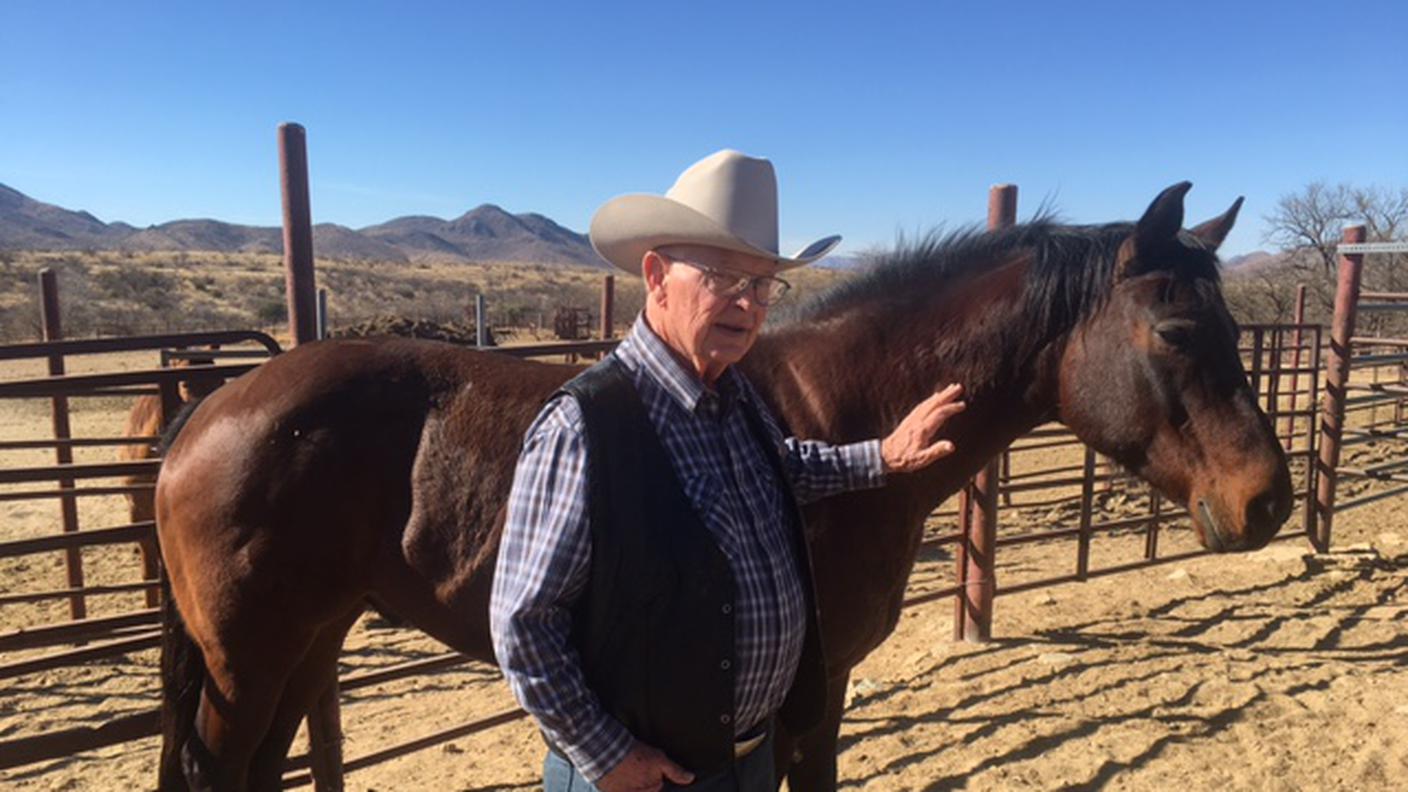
[(182, 675), (182, 666), (168, 435)]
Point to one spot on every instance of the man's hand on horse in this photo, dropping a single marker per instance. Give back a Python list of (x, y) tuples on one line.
[(645, 769), (912, 446)]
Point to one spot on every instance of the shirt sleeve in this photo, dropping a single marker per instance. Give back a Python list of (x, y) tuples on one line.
[(541, 571), (818, 469)]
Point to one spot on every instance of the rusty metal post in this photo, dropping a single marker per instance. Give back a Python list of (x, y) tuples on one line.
[(1005, 477), (960, 557), (1273, 374), (1298, 340), (980, 586), (1336, 378), (1087, 498), (481, 322), (608, 306), (1312, 435), (1151, 537), (322, 314), (298, 234), (68, 504), (1257, 345)]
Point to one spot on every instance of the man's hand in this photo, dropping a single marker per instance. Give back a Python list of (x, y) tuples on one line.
[(643, 770), (908, 448)]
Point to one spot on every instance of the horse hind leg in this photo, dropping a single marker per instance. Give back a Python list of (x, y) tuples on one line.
[(309, 690), (235, 716)]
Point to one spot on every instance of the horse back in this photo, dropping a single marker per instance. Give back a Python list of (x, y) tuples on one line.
[(343, 470)]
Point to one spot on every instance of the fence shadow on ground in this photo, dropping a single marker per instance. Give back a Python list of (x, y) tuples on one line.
[(1283, 638)]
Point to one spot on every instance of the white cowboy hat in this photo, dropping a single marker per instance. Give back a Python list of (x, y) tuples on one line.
[(726, 200)]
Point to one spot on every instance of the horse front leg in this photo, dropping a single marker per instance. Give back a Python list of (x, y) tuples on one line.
[(813, 768), (325, 737)]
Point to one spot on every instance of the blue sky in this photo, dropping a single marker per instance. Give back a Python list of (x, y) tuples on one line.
[(880, 117)]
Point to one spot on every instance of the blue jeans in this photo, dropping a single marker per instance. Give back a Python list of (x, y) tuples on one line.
[(752, 773)]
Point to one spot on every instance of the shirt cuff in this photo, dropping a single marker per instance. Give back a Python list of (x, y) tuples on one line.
[(607, 749), (865, 468)]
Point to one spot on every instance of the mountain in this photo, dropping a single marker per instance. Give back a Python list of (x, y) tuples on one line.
[(1255, 261), (840, 262), (29, 224), (486, 233)]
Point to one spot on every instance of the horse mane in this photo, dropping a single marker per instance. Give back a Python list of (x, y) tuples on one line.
[(1071, 271)]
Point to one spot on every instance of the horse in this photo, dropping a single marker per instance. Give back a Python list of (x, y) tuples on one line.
[(145, 420), (353, 472)]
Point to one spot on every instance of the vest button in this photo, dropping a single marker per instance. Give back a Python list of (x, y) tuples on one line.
[(725, 664), (725, 719), (727, 608)]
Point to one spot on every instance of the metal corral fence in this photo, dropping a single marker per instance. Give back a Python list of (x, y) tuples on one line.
[(1277, 358), (1345, 397), (86, 638), (1282, 360)]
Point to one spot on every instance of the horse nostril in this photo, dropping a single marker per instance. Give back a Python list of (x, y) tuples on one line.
[(1265, 510)]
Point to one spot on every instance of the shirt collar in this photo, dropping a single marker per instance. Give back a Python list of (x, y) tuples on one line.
[(643, 349)]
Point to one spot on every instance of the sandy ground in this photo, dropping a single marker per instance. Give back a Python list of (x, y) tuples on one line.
[(1274, 670)]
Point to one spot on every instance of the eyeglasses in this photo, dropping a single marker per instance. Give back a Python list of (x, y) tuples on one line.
[(766, 289)]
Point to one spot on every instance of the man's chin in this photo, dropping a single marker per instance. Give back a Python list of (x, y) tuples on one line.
[(728, 355)]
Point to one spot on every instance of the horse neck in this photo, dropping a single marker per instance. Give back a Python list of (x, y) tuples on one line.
[(855, 375)]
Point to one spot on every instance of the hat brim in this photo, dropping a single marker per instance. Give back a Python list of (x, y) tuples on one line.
[(625, 227)]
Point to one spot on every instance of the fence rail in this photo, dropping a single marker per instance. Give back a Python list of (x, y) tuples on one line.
[(1283, 364)]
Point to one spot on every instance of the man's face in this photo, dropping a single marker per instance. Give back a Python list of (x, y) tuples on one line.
[(710, 331)]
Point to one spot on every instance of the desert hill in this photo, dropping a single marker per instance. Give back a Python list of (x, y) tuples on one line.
[(485, 233)]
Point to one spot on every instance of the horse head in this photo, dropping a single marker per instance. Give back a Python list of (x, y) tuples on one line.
[(1154, 380)]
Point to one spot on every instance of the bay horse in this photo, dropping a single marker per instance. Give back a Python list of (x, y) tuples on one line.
[(348, 472), (145, 420)]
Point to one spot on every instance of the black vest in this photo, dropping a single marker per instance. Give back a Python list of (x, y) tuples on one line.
[(654, 625)]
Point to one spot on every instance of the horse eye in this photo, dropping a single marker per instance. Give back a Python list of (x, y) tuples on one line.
[(1178, 333)]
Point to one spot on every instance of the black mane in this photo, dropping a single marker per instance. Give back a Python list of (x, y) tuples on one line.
[(1071, 273)]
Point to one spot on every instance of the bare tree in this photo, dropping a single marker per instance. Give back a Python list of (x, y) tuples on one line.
[(1308, 223)]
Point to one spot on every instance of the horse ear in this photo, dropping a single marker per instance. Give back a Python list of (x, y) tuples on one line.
[(1157, 229), (1163, 219), (1215, 230)]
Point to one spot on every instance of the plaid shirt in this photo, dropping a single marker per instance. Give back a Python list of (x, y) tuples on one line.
[(546, 547)]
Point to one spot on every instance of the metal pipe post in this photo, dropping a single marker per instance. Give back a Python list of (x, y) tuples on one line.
[(481, 322), (298, 234), (1298, 340), (68, 504), (980, 587), (1257, 341), (1312, 436), (1151, 536), (322, 314), (1273, 374), (1336, 378), (1087, 508), (608, 306), (960, 557)]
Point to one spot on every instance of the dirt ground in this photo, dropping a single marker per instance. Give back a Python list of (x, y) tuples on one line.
[(1280, 669)]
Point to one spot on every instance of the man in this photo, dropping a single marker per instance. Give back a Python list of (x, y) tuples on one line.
[(652, 605)]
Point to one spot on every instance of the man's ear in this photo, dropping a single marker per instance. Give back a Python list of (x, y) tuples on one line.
[(652, 270)]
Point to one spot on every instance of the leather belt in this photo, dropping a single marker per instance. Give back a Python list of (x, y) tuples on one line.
[(747, 745)]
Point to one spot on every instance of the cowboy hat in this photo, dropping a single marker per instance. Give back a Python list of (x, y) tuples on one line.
[(726, 200)]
